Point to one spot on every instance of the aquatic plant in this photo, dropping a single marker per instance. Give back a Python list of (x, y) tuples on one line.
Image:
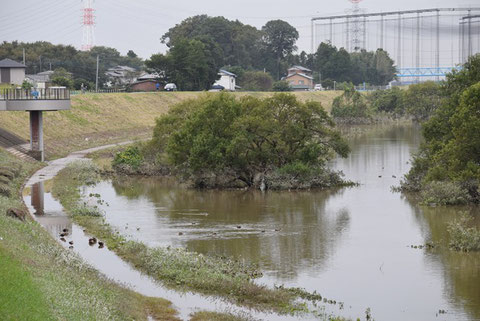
[(463, 236)]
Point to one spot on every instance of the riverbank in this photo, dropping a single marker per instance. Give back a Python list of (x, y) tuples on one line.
[(40, 280), (100, 119), (175, 267)]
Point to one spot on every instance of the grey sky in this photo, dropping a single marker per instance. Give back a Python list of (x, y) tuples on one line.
[(138, 24)]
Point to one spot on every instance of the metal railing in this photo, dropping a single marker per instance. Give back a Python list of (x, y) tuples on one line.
[(35, 94)]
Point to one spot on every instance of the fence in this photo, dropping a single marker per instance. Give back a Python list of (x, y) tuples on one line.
[(35, 94)]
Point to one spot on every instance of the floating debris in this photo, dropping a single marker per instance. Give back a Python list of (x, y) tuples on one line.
[(180, 233)]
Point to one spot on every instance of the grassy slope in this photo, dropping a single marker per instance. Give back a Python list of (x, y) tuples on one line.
[(98, 119), (39, 280)]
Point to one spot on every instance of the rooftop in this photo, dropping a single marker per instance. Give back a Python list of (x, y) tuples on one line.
[(227, 73), (9, 63)]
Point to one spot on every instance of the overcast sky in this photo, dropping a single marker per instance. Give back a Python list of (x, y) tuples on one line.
[(139, 24)]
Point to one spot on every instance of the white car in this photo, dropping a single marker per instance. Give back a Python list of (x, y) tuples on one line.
[(318, 87), (170, 87)]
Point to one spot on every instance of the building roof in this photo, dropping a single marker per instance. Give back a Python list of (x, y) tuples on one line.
[(300, 74), (227, 73), (46, 73), (38, 78), (300, 68), (9, 63), (153, 76)]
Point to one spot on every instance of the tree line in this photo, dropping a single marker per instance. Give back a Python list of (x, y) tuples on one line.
[(41, 56), (201, 45)]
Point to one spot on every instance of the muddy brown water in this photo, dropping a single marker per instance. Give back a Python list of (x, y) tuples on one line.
[(352, 245)]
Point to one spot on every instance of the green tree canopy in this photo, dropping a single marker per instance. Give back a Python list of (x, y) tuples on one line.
[(451, 151), (279, 38), (190, 64), (247, 136)]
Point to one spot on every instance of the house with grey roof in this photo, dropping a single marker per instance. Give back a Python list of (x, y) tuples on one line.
[(11, 72), (299, 78)]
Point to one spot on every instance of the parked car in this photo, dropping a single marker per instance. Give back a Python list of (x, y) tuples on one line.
[(170, 87), (217, 87), (318, 87)]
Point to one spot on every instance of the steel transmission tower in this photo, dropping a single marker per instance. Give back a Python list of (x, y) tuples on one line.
[(357, 29), (88, 22)]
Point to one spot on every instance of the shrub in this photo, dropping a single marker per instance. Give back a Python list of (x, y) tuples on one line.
[(281, 85), (350, 105), (421, 100), (389, 101), (256, 81), (131, 156), (444, 193), (463, 237)]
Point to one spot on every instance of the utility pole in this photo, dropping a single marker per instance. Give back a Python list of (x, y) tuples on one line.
[(24, 56), (96, 77)]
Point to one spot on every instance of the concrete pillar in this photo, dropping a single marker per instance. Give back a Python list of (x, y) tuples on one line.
[(36, 135)]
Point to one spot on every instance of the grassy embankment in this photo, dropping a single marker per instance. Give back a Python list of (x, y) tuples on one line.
[(176, 268), (99, 119), (40, 280)]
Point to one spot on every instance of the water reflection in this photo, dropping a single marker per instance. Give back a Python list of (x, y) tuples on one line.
[(278, 230), (54, 220), (350, 244)]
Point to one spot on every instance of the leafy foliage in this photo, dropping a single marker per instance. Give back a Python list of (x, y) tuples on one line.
[(190, 64), (462, 237), (247, 137), (131, 156), (451, 151), (388, 101), (351, 105), (375, 68), (281, 85), (256, 81), (421, 100)]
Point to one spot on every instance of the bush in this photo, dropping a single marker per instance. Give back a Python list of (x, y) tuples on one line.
[(462, 237), (351, 105), (281, 85), (388, 101), (444, 193), (422, 100), (256, 81), (131, 156)]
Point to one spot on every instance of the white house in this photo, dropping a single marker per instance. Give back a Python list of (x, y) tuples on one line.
[(11, 72), (227, 80)]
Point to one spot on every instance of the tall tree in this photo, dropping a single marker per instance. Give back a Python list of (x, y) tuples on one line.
[(279, 38), (190, 64)]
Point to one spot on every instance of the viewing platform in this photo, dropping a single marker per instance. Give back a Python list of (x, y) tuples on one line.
[(50, 99), (35, 101)]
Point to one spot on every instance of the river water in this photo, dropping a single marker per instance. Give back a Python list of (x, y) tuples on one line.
[(352, 245)]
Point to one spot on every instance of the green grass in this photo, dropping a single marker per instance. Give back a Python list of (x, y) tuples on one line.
[(21, 298), (40, 280), (213, 316), (100, 119)]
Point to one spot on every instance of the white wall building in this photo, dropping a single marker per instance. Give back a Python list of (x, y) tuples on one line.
[(11, 72), (227, 80)]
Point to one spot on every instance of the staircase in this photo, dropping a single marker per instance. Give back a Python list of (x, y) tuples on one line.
[(15, 145)]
